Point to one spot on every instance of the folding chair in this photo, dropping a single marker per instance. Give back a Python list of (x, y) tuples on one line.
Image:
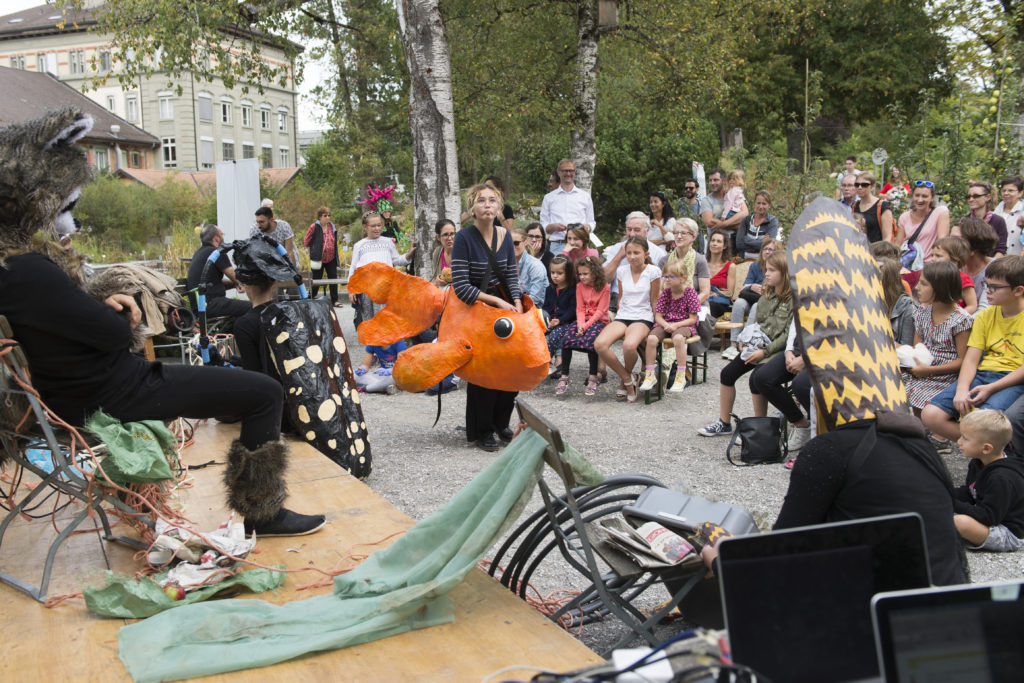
[(35, 432), (565, 523)]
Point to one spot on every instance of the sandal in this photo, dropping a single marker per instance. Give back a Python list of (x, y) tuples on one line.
[(631, 396), (620, 392), (591, 386), (602, 376), (563, 385)]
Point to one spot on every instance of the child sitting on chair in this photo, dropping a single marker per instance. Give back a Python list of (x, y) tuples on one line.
[(675, 314), (560, 306), (989, 507)]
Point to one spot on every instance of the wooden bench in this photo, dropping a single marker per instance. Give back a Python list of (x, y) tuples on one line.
[(722, 330), (693, 363)]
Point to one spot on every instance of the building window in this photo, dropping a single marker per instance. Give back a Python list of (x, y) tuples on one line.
[(206, 153), (166, 107), (248, 150), (205, 107), (267, 157), (170, 152), (135, 160), (282, 121), (283, 157), (227, 150), (246, 116), (265, 119), (131, 108), (76, 59), (18, 62), (225, 112), (101, 160), (104, 61), (111, 103), (40, 63)]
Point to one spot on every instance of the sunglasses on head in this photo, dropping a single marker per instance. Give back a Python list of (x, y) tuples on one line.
[(924, 183)]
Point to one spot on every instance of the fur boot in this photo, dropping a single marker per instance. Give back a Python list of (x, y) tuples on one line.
[(255, 479)]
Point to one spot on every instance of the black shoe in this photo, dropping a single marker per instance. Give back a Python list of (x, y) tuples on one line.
[(505, 434), (286, 523), (488, 443)]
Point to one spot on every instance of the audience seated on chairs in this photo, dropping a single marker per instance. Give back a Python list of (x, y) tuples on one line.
[(748, 294), (768, 339), (220, 276), (767, 385), (723, 272)]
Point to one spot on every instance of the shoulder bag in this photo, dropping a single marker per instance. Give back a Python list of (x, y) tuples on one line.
[(762, 440), (911, 257)]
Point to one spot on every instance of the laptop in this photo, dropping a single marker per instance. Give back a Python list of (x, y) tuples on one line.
[(797, 602), (972, 633)]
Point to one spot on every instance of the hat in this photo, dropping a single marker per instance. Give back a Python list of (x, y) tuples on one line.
[(257, 262), (841, 317), (379, 199)]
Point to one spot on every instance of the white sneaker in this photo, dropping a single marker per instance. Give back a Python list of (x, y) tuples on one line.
[(798, 436), (650, 379), (730, 353), (679, 384)]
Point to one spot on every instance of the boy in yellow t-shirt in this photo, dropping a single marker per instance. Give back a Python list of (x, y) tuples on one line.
[(991, 375)]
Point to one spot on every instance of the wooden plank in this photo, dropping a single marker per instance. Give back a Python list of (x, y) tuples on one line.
[(492, 628)]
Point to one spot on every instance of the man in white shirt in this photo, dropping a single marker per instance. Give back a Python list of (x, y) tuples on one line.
[(1011, 210), (564, 205), (850, 169)]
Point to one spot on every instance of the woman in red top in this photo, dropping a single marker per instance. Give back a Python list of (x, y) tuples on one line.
[(723, 275)]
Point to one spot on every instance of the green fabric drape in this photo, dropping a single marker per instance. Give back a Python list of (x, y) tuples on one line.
[(396, 589)]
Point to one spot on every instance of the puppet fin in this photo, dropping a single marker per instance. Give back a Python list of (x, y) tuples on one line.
[(424, 365), (412, 304)]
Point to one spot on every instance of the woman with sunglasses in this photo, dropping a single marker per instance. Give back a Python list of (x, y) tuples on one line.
[(876, 212), (981, 201), (924, 214)]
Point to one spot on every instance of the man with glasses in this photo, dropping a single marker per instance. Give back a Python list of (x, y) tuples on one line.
[(692, 206), (563, 205), (533, 277), (1011, 210), (847, 191)]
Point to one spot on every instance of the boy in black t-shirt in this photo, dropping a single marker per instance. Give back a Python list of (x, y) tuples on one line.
[(990, 506)]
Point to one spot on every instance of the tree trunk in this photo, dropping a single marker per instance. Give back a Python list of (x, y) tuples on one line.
[(583, 148), (432, 119), (343, 95)]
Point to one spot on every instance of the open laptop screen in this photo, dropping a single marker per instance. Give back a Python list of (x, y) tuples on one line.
[(964, 633), (797, 603)]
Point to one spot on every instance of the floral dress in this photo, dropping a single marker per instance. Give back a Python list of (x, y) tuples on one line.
[(941, 341)]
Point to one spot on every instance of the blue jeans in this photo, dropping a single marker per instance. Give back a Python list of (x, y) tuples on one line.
[(1001, 400)]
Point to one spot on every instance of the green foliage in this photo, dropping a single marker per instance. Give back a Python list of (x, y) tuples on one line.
[(637, 155), (134, 216)]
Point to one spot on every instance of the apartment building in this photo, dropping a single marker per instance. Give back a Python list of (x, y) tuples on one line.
[(202, 124)]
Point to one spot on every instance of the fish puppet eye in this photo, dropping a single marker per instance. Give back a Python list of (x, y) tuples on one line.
[(503, 328)]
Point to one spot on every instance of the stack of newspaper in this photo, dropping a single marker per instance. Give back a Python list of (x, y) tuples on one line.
[(652, 546)]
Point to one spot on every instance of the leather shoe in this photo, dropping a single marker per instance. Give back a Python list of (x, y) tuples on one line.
[(506, 434), (286, 523), (488, 443)]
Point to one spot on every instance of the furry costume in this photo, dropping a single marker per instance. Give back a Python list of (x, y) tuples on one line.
[(80, 357)]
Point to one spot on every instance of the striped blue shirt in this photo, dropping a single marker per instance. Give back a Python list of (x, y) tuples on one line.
[(469, 262)]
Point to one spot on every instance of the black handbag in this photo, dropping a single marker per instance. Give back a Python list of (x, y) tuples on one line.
[(762, 441)]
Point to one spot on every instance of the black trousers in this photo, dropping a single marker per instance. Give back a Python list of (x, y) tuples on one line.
[(802, 389), (172, 391), (767, 380), (567, 360), (331, 270), (487, 410)]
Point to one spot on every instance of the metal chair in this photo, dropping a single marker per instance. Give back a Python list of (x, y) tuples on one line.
[(34, 431), (565, 523)]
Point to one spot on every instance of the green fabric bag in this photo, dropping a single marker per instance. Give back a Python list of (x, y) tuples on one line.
[(396, 589), (124, 596), (138, 450)]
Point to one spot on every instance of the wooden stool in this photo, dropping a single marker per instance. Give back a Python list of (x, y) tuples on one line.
[(695, 362), (722, 331)]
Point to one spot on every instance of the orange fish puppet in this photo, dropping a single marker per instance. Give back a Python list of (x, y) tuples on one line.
[(484, 345)]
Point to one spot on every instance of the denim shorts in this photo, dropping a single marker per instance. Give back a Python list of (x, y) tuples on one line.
[(1001, 400), (1000, 540)]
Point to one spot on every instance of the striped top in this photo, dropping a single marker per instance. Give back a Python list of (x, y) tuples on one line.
[(469, 262)]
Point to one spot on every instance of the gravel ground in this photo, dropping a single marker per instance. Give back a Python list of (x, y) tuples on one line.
[(418, 467)]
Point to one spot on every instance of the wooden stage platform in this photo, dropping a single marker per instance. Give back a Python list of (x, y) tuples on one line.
[(493, 629)]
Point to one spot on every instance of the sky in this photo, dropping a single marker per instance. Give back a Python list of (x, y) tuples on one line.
[(309, 110)]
